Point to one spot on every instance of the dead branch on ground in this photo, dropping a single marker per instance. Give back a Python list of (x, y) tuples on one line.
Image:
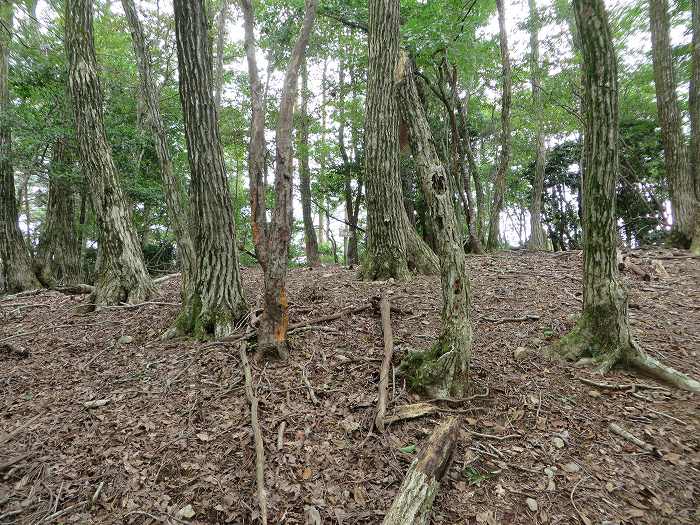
[(385, 311)]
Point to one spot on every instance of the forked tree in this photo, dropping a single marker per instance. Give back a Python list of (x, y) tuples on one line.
[(121, 271), (602, 336), (272, 239), (215, 302), (442, 370)]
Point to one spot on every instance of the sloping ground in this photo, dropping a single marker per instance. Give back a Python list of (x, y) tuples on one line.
[(176, 428)]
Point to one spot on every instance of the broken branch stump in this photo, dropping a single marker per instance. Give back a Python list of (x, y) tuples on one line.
[(385, 312), (414, 501)]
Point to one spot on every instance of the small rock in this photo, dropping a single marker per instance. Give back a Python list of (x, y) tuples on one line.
[(532, 504), (520, 353), (558, 442), (97, 403), (186, 512), (594, 393), (125, 340), (571, 468)]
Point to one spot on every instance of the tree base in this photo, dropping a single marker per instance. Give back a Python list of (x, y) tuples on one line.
[(435, 372), (204, 323)]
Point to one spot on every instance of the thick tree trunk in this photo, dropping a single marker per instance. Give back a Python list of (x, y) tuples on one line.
[(387, 223), (173, 184), (216, 302), (602, 334), (122, 273), (441, 371), (499, 188), (694, 107), (57, 261), (14, 255), (310, 242), (272, 240), (675, 153), (220, 41), (537, 239)]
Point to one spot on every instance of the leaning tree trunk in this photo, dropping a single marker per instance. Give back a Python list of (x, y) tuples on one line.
[(173, 184), (387, 223), (122, 273), (537, 239), (675, 153), (57, 259), (499, 187), (694, 106), (14, 255), (310, 242), (441, 371), (216, 302), (602, 334)]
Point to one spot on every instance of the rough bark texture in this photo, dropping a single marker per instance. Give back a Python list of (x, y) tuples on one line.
[(272, 240), (538, 239), (310, 242), (694, 107), (173, 184), (216, 301), (675, 153), (14, 255), (387, 223), (121, 272), (414, 500), (57, 261), (499, 188), (220, 41), (441, 371), (602, 334)]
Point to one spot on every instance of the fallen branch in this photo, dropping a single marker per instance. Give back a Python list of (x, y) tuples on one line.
[(257, 435), (411, 411), (76, 289), (138, 305), (414, 500), (385, 311), (499, 320), (160, 280), (312, 394), (630, 387), (497, 438), (616, 429)]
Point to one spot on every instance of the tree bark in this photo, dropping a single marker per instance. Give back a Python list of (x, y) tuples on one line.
[(694, 107), (122, 273), (272, 240), (216, 302), (505, 154), (675, 153), (14, 255), (220, 41), (173, 184), (57, 261), (387, 223), (537, 239), (442, 371), (310, 242)]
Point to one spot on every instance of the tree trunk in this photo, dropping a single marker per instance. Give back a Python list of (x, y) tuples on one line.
[(14, 255), (220, 41), (602, 334), (387, 223), (216, 302), (57, 260), (310, 243), (694, 107), (504, 157), (675, 153), (173, 184), (122, 273), (272, 240), (537, 239), (442, 371)]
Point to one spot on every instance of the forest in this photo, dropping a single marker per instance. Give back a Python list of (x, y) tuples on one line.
[(350, 261)]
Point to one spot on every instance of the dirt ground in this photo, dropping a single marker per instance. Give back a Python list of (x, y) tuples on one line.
[(175, 430)]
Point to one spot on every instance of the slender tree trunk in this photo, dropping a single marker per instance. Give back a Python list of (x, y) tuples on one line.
[(473, 170), (57, 259), (272, 240), (310, 243), (675, 153), (216, 302), (694, 106), (386, 227), (499, 188), (220, 41), (122, 273), (537, 239), (602, 334), (173, 184), (14, 255), (442, 371)]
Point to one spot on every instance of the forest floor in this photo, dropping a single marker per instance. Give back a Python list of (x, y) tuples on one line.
[(175, 430)]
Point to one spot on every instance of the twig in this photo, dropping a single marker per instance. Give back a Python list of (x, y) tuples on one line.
[(616, 429), (497, 438), (631, 387), (97, 493), (527, 317), (257, 435), (385, 311), (666, 415), (62, 512), (164, 278), (280, 435), (138, 305), (584, 519), (312, 394)]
